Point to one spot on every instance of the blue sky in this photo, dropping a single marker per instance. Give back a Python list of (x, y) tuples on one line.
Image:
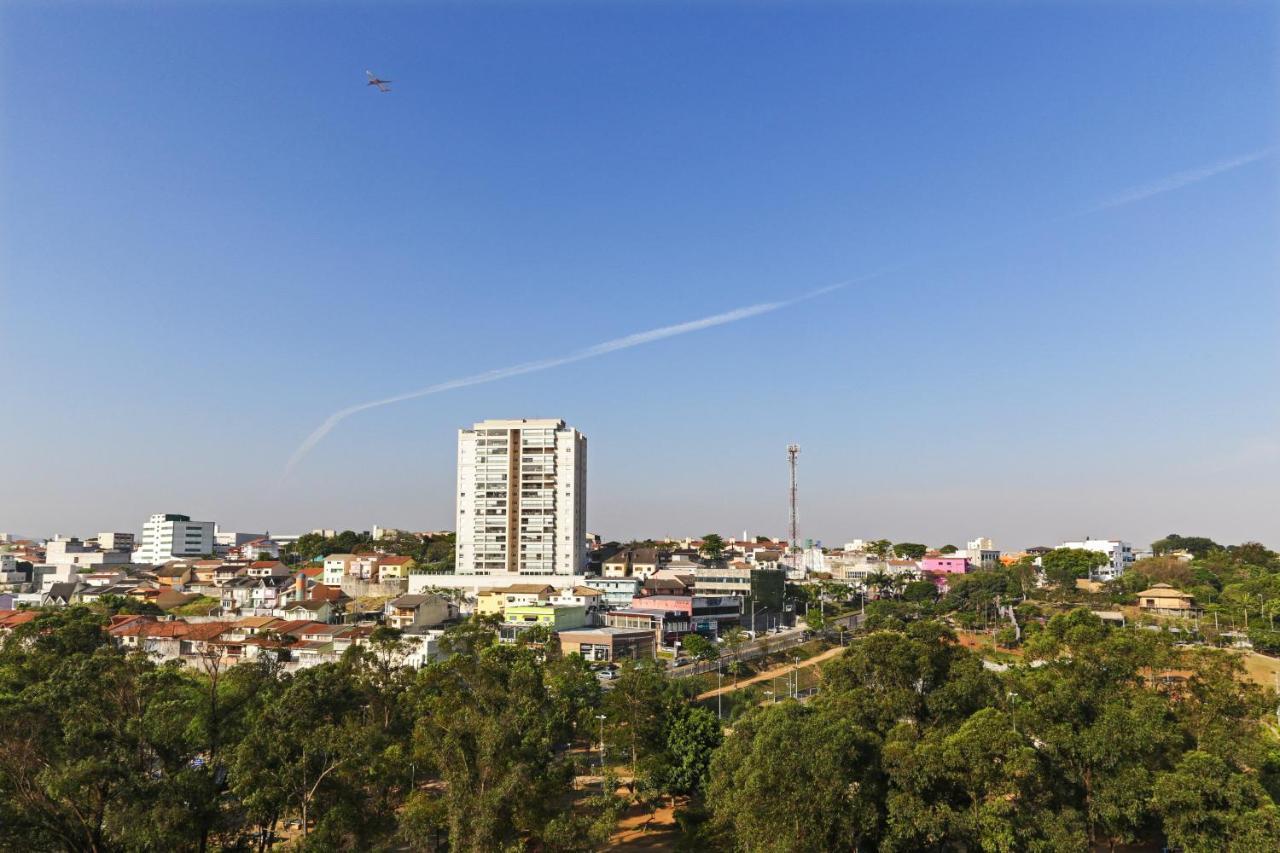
[(214, 236)]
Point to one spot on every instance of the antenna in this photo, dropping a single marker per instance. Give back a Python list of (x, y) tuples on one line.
[(793, 453)]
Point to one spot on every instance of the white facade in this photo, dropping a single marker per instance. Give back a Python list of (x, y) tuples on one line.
[(1120, 554), (168, 536), (981, 552), (114, 541), (522, 500)]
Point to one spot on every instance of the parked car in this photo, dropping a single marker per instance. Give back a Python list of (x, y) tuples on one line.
[(681, 662), (606, 675)]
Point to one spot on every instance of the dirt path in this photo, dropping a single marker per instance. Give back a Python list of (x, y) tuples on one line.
[(772, 673)]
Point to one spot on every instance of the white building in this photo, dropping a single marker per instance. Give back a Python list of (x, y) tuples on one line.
[(115, 541), (522, 506), (168, 536), (1119, 553), (522, 501), (70, 551), (982, 552)]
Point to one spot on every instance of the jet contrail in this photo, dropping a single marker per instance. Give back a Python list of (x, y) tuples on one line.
[(1179, 180), (599, 349), (1173, 182)]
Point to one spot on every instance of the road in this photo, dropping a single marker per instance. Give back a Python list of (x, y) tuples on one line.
[(766, 645)]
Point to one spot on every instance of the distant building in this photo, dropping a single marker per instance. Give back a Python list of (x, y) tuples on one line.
[(112, 541), (169, 536), (1119, 554)]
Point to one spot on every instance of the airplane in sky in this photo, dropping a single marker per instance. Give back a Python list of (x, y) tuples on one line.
[(374, 81)]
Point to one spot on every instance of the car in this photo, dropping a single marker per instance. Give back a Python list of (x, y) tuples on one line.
[(681, 662), (606, 675)]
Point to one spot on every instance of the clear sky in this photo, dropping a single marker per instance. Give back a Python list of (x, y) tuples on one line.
[(214, 236)]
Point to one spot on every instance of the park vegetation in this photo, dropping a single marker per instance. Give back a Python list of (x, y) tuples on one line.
[(1095, 736)]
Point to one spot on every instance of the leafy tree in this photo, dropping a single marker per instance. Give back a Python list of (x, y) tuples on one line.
[(1063, 566), (1197, 546), (486, 729), (796, 778), (692, 738), (882, 548), (713, 547), (1205, 804), (636, 711), (910, 550), (948, 549), (699, 647)]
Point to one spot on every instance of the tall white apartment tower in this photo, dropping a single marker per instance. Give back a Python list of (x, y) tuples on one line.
[(522, 499)]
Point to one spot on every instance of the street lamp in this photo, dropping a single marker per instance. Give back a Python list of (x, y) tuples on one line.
[(719, 688), (600, 717), (772, 699)]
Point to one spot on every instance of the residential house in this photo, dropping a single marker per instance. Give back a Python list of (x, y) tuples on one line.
[(395, 567), (306, 610), (1163, 598), (495, 601), (420, 611), (582, 596), (616, 592), (174, 575)]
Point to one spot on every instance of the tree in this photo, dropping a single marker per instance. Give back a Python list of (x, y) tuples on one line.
[(692, 739), (948, 549), (796, 778), (713, 547), (1197, 546), (882, 548), (699, 647), (1063, 566), (1205, 804), (486, 730), (636, 711), (734, 639), (910, 550)]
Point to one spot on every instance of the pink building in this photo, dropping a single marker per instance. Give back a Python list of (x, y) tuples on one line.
[(938, 569)]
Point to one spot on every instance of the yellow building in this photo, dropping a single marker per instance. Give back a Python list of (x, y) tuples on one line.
[(492, 602)]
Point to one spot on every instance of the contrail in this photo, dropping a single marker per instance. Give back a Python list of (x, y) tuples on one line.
[(1173, 182), (593, 351), (1179, 180)]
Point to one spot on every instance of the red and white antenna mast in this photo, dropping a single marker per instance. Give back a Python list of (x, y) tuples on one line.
[(793, 452)]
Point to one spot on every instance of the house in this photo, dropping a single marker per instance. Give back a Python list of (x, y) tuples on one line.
[(395, 567), (665, 626), (420, 611), (491, 602), (267, 569), (633, 562), (173, 575), (204, 572), (616, 592), (335, 568), (307, 610), (581, 596), (1164, 599), (237, 593), (608, 644), (60, 594), (226, 572), (555, 617)]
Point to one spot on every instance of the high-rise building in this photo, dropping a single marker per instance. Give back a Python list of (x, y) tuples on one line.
[(167, 536), (522, 499)]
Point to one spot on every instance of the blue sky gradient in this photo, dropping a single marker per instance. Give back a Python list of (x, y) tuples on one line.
[(214, 236)]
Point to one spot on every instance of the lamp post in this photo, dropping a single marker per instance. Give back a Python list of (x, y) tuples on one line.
[(600, 717), (719, 687)]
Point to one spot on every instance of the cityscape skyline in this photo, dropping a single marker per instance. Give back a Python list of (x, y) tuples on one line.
[(1070, 330)]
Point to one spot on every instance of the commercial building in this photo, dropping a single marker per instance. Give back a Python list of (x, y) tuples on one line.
[(608, 644), (521, 501), (1119, 554), (169, 536)]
